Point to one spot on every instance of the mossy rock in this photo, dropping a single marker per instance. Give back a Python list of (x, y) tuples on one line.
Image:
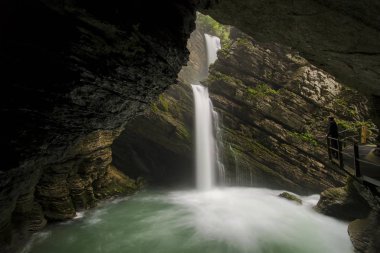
[(344, 203), (291, 197), (115, 183)]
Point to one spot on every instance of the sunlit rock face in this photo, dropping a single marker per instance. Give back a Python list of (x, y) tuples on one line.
[(341, 37), (273, 106), (74, 72)]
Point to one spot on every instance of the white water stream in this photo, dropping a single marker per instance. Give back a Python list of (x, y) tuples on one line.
[(205, 143)]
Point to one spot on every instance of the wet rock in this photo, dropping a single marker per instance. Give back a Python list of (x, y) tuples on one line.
[(36, 218), (358, 204), (291, 197), (344, 203), (365, 233)]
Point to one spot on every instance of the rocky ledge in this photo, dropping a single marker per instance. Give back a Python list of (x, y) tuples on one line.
[(361, 207)]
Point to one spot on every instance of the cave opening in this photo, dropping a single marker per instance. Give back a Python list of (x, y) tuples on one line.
[(85, 125)]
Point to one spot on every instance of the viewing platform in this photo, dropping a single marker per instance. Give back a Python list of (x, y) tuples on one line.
[(358, 160)]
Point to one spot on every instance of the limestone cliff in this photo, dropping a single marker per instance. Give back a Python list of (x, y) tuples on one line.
[(273, 107), (338, 36), (341, 37)]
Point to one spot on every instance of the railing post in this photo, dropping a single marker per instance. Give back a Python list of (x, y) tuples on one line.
[(328, 148), (363, 136), (356, 160), (341, 164)]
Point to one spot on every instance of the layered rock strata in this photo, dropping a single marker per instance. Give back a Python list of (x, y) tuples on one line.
[(340, 37), (273, 107)]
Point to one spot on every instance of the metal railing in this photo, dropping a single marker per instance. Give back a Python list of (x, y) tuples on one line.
[(336, 155)]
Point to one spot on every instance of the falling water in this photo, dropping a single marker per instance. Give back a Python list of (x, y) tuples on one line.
[(205, 123), (204, 141), (212, 45)]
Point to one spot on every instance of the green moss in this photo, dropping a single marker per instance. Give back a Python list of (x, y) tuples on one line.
[(217, 76), (164, 102), (154, 108), (245, 42), (115, 183), (226, 51), (341, 102), (161, 105), (353, 125), (261, 90), (305, 137), (183, 132), (343, 105)]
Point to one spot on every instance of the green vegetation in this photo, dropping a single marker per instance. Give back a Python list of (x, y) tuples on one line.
[(154, 108), (244, 42), (226, 51), (343, 105), (183, 132), (161, 105), (212, 27), (341, 102), (305, 137), (164, 102), (217, 76), (353, 125), (261, 90)]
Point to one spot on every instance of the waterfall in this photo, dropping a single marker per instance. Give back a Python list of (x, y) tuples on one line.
[(212, 46), (206, 121), (204, 140)]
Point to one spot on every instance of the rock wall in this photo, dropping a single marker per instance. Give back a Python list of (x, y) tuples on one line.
[(72, 69), (158, 145), (361, 206), (74, 72), (340, 37), (273, 106)]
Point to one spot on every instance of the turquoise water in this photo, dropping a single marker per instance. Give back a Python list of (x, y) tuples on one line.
[(221, 220)]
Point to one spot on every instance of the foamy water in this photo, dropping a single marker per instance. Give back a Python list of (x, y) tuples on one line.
[(220, 220)]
